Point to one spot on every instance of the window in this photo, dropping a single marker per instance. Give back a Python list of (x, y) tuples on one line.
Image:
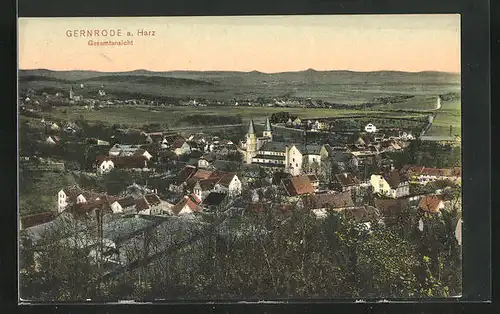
[(293, 159), (314, 159), (296, 165)]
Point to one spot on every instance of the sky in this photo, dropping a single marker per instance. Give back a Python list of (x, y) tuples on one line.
[(252, 43)]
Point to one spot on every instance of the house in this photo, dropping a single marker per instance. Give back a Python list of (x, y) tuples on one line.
[(391, 207), (54, 127), (187, 205), (52, 140), (197, 137), (142, 152), (319, 203), (75, 195), (136, 162), (298, 185), (393, 184), (319, 125), (204, 162), (123, 150), (180, 179), (424, 175), (297, 122), (201, 187), (104, 164), (214, 200), (123, 205), (431, 204), (346, 181), (370, 128), (229, 184), (181, 147), (314, 181), (149, 205), (299, 155)]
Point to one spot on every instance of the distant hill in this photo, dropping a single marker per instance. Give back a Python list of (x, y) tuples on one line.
[(308, 76), (338, 87)]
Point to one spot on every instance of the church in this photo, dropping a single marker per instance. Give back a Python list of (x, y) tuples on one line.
[(292, 158)]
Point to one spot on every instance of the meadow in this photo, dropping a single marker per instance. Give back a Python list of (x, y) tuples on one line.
[(179, 116), (449, 114)]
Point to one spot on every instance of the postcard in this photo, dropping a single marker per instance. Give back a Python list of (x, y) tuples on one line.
[(240, 158)]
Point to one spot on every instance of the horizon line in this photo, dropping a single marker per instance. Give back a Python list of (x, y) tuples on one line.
[(241, 71)]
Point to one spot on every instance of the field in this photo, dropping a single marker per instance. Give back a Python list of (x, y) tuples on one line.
[(179, 116), (339, 87), (449, 114)]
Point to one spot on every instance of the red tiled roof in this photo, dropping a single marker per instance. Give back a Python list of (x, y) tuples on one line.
[(298, 185), (390, 207), (430, 203), (176, 209), (36, 219), (202, 174), (328, 200)]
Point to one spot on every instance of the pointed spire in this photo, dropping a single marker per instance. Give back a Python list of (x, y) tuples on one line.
[(251, 128), (268, 125)]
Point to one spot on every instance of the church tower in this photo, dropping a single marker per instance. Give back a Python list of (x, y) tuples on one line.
[(71, 93), (251, 147), (268, 132)]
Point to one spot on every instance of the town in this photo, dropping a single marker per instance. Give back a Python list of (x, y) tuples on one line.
[(180, 185)]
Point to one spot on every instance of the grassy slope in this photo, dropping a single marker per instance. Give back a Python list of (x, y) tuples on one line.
[(38, 191), (449, 114)]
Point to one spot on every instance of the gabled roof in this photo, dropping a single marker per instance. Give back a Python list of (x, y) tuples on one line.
[(201, 174), (186, 173), (36, 219), (362, 214), (226, 179), (394, 178), (176, 209), (328, 200), (278, 147), (346, 179), (178, 143), (313, 149), (152, 199), (126, 202), (130, 161), (141, 204), (214, 199), (390, 207), (430, 203), (298, 185)]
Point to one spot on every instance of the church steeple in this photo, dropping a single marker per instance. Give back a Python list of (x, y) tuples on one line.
[(251, 145), (251, 128), (268, 130), (268, 125)]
